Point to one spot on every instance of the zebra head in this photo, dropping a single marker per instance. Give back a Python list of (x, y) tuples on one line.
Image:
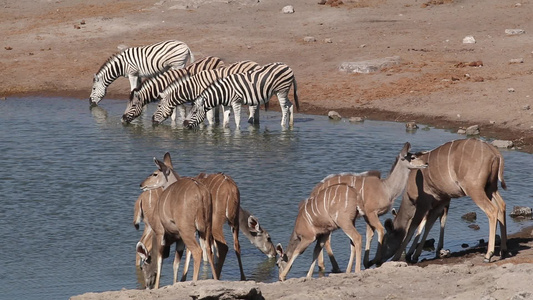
[(164, 109), (98, 91), (197, 113), (133, 109)]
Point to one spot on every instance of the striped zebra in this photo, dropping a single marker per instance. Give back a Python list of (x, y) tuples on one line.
[(188, 89), (138, 62), (252, 88), (150, 88)]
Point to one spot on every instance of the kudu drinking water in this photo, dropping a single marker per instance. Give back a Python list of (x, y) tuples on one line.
[(337, 201), (377, 196), (458, 168), (143, 210), (184, 209)]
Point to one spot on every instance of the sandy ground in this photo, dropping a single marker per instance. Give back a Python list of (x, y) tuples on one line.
[(53, 47)]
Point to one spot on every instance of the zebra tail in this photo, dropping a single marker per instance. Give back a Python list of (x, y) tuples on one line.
[(266, 106), (295, 94)]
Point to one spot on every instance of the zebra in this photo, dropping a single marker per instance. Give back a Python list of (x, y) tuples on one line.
[(251, 88), (150, 88), (138, 62), (188, 89)]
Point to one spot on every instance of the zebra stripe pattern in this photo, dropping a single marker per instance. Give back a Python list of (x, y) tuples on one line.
[(252, 88), (150, 88), (138, 62), (188, 89)]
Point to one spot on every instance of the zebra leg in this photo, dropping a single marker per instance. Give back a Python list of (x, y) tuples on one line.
[(253, 118), (210, 116), (226, 111), (216, 112), (237, 112), (285, 105)]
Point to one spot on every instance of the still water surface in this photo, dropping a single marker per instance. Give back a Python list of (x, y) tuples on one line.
[(70, 175)]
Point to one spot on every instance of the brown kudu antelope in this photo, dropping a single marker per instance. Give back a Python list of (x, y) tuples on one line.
[(143, 210), (184, 209), (377, 196), (468, 167)]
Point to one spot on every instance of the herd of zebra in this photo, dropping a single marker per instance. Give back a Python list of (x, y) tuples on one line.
[(166, 71)]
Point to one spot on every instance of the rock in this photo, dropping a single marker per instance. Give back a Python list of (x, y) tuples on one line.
[(328, 41), (469, 40), (514, 31), (502, 144), (510, 90), (461, 131), (464, 246), (474, 226), (122, 47), (472, 130), (289, 9), (516, 61), (309, 39), (521, 212), (394, 264), (356, 120), (444, 253), (471, 216), (369, 66), (411, 125), (526, 107), (220, 291), (334, 115), (429, 244)]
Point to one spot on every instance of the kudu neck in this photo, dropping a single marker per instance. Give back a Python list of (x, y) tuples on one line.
[(397, 180)]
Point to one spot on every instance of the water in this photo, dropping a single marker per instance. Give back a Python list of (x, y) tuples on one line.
[(70, 175)]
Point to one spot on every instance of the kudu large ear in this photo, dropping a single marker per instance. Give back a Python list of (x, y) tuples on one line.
[(168, 160), (142, 251), (405, 149), (394, 212), (279, 250), (253, 224)]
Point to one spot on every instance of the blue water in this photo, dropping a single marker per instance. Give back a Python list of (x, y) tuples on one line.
[(70, 175)]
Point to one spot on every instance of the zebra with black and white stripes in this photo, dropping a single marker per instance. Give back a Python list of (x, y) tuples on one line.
[(138, 62), (252, 88), (150, 88), (188, 89)]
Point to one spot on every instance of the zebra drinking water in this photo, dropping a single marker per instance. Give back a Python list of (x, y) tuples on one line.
[(251, 88), (137, 62), (150, 88), (188, 89)]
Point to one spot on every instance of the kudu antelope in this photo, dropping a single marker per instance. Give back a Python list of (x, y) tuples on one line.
[(377, 196), (458, 168), (184, 209), (143, 210)]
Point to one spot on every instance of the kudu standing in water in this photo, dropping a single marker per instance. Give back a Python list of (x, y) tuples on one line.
[(184, 209), (377, 196), (458, 168), (344, 197)]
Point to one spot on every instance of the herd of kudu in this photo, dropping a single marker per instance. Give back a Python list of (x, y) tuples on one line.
[(190, 212)]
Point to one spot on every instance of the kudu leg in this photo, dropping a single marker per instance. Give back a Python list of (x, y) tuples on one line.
[(491, 210), (502, 221), (334, 265), (180, 246), (414, 244), (430, 220), (237, 248), (186, 265), (356, 242), (318, 249), (300, 248), (373, 224), (443, 218)]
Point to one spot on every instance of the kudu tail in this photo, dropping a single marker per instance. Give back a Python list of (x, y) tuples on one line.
[(500, 172), (137, 213)]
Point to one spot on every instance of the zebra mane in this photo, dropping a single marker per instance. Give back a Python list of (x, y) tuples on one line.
[(110, 60)]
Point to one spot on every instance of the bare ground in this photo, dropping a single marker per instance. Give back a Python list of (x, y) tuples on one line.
[(53, 48)]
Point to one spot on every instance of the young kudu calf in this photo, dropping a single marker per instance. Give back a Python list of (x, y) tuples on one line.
[(377, 196), (370, 197), (458, 168), (184, 209)]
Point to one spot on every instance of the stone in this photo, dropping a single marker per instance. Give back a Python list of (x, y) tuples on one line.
[(521, 212), (334, 115), (411, 125), (219, 291), (474, 226), (289, 9), (502, 144), (514, 31), (510, 90), (328, 41), (356, 120), (369, 66), (309, 39), (516, 61), (469, 40), (526, 107), (472, 130), (471, 216)]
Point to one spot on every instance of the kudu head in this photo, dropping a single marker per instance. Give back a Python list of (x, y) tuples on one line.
[(282, 261), (163, 177), (393, 238), (148, 267), (285, 256), (410, 160), (260, 238)]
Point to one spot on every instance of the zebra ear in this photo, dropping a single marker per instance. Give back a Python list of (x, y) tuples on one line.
[(95, 78)]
